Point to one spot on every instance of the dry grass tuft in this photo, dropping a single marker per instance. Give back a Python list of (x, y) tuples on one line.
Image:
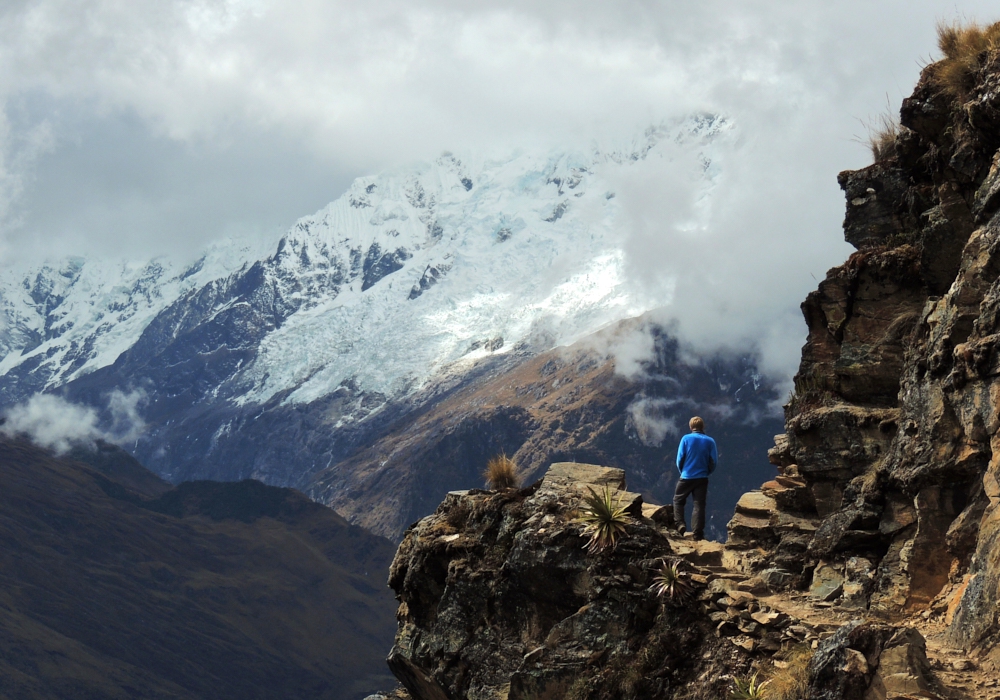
[(790, 677), (501, 473), (882, 135), (966, 49)]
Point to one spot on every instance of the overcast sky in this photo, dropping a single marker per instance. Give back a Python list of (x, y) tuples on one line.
[(146, 126)]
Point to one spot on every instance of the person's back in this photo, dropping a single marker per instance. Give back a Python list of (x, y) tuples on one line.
[(697, 457)]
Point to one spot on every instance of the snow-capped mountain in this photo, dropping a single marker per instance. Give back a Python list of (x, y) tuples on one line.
[(280, 360), (59, 321), (403, 275)]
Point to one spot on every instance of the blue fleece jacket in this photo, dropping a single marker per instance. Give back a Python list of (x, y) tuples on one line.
[(696, 456)]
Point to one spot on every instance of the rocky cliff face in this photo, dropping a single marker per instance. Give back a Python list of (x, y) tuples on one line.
[(500, 600), (887, 476)]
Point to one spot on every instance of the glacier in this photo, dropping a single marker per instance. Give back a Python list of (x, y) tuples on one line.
[(410, 274)]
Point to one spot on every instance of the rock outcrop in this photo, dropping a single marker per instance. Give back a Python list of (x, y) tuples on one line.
[(499, 599), (887, 497)]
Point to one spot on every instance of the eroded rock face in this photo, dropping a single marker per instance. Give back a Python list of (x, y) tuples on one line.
[(888, 454), (499, 599)]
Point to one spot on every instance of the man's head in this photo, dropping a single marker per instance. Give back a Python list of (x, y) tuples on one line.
[(697, 425)]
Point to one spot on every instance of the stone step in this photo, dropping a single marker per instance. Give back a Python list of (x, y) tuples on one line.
[(703, 553), (745, 530), (756, 505), (769, 488), (790, 482)]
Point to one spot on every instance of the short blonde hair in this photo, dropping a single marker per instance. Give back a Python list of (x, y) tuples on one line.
[(697, 424)]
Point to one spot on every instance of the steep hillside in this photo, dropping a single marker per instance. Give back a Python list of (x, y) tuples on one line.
[(566, 404), (114, 585)]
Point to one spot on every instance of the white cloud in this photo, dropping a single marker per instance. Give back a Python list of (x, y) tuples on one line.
[(55, 423), (127, 423), (52, 422), (171, 122), (650, 419)]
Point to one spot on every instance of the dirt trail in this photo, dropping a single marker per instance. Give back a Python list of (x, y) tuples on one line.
[(953, 674)]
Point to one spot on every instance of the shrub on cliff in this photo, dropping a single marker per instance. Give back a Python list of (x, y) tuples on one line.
[(501, 473), (966, 48), (604, 517), (672, 583), (882, 136)]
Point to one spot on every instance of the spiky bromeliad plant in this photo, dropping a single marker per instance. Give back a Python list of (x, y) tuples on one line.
[(749, 688), (604, 517), (672, 583)]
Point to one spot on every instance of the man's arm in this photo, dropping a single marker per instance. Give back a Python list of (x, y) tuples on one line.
[(681, 454), (713, 460)]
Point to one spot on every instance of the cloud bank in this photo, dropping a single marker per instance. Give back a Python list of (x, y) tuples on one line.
[(144, 126), (53, 422)]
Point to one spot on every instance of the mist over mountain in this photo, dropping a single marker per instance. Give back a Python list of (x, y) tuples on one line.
[(415, 286)]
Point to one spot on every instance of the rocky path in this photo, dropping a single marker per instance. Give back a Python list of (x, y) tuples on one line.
[(756, 619)]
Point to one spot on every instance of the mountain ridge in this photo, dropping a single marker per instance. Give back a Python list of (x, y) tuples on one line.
[(204, 591)]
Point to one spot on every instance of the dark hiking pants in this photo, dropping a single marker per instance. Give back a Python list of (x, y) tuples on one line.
[(698, 489)]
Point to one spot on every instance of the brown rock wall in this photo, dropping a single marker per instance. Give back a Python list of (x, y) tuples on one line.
[(892, 429)]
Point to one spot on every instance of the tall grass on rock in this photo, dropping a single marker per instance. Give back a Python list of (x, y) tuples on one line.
[(501, 473), (967, 48), (788, 679), (604, 519), (790, 676), (882, 135)]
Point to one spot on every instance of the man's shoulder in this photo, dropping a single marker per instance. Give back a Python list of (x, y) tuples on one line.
[(701, 436)]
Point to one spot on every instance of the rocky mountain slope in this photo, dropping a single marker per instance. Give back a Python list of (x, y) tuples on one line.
[(888, 477), (567, 404), (867, 567), (499, 598), (113, 584), (421, 298)]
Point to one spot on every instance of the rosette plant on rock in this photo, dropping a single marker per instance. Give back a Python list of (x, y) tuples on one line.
[(748, 688), (604, 517), (672, 583)]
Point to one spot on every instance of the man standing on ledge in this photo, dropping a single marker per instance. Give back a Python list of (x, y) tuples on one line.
[(697, 456)]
